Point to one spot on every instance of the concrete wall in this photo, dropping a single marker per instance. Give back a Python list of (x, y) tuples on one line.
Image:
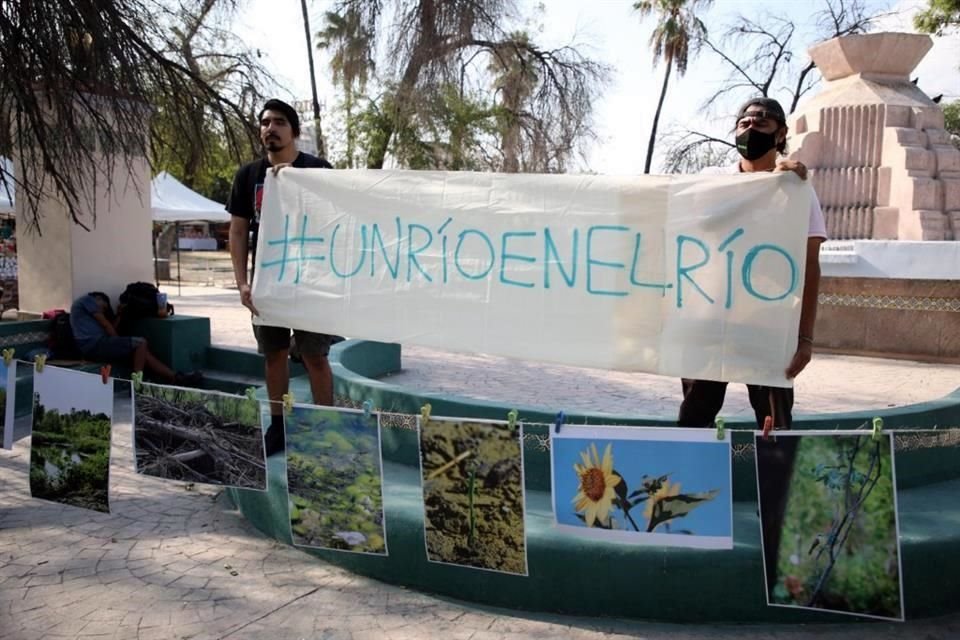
[(63, 260)]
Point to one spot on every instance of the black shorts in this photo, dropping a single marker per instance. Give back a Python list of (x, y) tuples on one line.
[(273, 339), (113, 348)]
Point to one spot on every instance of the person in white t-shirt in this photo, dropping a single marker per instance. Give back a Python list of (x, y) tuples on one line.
[(761, 135)]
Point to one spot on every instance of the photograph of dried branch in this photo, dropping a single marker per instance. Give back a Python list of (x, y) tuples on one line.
[(829, 521), (335, 480), (198, 436), (473, 494), (70, 443)]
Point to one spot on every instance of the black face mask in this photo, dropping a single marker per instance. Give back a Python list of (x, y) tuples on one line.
[(753, 144)]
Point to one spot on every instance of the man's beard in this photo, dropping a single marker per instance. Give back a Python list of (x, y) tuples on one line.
[(272, 145)]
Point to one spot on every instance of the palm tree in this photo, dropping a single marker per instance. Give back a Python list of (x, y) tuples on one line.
[(351, 62), (318, 134), (677, 28), (515, 78)]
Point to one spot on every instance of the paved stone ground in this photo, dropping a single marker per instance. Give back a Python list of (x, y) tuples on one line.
[(156, 568)]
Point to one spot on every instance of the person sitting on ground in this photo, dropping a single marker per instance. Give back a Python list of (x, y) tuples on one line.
[(94, 328)]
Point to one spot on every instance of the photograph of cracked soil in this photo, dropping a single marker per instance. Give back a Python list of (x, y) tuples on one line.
[(473, 494)]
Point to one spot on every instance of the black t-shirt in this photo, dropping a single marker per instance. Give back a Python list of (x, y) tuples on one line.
[(246, 195)]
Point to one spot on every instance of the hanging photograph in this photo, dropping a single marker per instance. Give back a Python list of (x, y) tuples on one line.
[(473, 494), (335, 479), (643, 485), (8, 392), (828, 516), (70, 443), (198, 436)]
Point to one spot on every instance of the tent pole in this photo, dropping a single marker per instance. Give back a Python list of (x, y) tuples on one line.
[(156, 271), (176, 238)]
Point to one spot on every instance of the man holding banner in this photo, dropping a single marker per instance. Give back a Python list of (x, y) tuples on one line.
[(279, 129), (761, 133)]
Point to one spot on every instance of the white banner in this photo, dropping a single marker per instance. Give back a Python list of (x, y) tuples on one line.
[(693, 276)]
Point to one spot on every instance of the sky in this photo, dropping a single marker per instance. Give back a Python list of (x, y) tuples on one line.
[(67, 390), (611, 32)]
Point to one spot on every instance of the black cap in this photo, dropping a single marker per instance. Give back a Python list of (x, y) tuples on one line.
[(769, 105), (279, 105)]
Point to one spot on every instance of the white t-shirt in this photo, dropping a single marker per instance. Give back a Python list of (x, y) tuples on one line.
[(818, 229)]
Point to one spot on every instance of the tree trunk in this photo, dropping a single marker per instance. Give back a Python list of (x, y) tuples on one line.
[(424, 50), (656, 117), (317, 131)]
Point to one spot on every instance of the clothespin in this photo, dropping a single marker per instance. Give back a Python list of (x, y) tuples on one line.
[(877, 428), (251, 393), (721, 430), (512, 416), (767, 427), (8, 356), (287, 402), (367, 409), (425, 414), (559, 422), (39, 362), (136, 378), (105, 373)]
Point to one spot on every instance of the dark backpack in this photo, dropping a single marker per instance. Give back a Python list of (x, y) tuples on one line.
[(62, 344), (139, 301)]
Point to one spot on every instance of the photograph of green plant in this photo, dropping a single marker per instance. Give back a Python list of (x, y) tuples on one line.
[(335, 480), (7, 441), (198, 436), (473, 494), (829, 522), (70, 443)]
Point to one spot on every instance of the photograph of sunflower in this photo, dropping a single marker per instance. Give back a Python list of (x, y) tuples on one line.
[(657, 486)]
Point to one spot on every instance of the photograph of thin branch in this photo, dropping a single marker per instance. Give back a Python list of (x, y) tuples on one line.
[(828, 515), (652, 486), (473, 494), (335, 480), (70, 443), (8, 381), (198, 436)]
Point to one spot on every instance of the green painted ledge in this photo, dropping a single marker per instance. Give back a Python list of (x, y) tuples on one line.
[(579, 577)]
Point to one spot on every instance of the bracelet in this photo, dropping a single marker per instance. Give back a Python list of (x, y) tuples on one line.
[(806, 339)]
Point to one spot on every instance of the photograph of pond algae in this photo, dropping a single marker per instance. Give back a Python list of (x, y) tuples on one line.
[(829, 525), (70, 442), (198, 436), (473, 494), (643, 485), (335, 480)]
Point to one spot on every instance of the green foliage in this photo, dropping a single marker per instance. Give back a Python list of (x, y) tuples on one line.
[(828, 475), (228, 407), (939, 17)]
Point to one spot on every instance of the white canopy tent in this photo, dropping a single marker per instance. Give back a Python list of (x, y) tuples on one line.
[(172, 201)]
